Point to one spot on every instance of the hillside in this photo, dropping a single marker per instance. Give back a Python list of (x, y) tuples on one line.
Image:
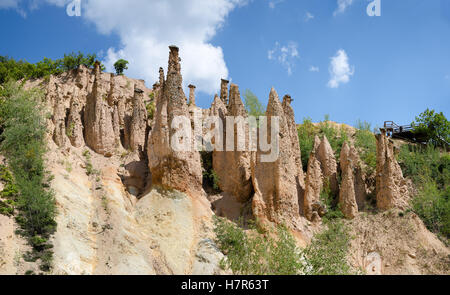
[(127, 202)]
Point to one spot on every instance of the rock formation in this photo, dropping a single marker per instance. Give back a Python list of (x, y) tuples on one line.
[(172, 169), (314, 184), (138, 126), (347, 194), (75, 123), (98, 116), (391, 187), (293, 134), (191, 94), (59, 115), (224, 91), (234, 169), (275, 185), (325, 155)]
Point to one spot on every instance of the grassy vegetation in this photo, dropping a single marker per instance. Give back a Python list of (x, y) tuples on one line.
[(366, 143), (22, 142), (273, 253), (331, 204), (430, 171), (327, 253)]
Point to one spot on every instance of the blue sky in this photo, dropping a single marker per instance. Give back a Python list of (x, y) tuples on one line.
[(342, 63)]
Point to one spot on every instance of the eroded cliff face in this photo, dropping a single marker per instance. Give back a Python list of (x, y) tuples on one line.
[(120, 212), (104, 229), (233, 166), (276, 183), (171, 168), (129, 203)]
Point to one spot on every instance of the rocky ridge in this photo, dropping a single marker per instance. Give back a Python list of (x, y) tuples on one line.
[(145, 210)]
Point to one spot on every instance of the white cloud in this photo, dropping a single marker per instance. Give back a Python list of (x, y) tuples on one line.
[(147, 28), (273, 3), (285, 55), (342, 6), (340, 70), (314, 69), (308, 16)]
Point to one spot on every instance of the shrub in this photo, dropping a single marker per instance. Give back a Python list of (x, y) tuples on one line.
[(22, 142), (210, 177), (274, 253), (331, 203), (306, 133), (366, 143), (433, 206), (150, 109), (430, 172), (327, 253), (253, 105)]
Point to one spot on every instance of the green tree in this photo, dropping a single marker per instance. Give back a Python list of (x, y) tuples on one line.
[(434, 126), (22, 142), (120, 66), (253, 105)]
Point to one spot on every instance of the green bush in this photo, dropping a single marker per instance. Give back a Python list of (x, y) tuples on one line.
[(22, 142), (433, 206), (210, 177), (274, 253), (253, 105), (151, 107), (331, 204), (366, 143), (327, 253), (306, 134), (11, 69), (430, 172)]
